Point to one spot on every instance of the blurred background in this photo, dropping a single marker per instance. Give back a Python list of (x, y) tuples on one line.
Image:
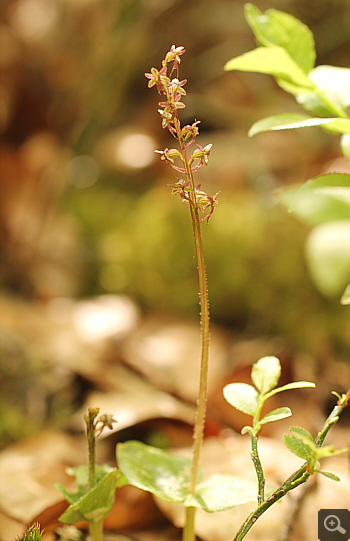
[(94, 249), (99, 302)]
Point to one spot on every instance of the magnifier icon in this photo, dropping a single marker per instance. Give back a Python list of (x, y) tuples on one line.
[(332, 524)]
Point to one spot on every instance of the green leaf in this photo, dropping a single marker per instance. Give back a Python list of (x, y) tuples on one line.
[(154, 470), (323, 199), (81, 474), (97, 502), (328, 256), (278, 28), (290, 386), (287, 121), (328, 474), (276, 415), (266, 373), (273, 61), (242, 397), (222, 492), (303, 448), (333, 94), (329, 450)]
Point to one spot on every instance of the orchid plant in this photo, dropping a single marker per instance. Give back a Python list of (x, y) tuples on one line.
[(174, 478)]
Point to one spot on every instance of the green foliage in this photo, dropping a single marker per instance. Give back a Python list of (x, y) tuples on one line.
[(265, 375), (91, 504), (286, 51), (302, 445), (221, 492), (154, 470), (167, 477)]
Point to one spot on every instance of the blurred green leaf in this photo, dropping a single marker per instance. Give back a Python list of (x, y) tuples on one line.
[(274, 61), (221, 492), (97, 502), (329, 475), (242, 397), (278, 28), (266, 373), (334, 86), (287, 121), (325, 198), (81, 474), (290, 386), (275, 415), (154, 470), (328, 256)]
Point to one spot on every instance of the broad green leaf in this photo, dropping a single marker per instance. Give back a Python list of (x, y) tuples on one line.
[(242, 397), (222, 492), (323, 199), (81, 474), (154, 470), (266, 373), (290, 386), (328, 474), (276, 415), (328, 256), (287, 121), (97, 502), (273, 61), (303, 449), (278, 28), (334, 91)]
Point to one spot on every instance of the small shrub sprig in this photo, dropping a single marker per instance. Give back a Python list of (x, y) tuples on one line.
[(200, 203)]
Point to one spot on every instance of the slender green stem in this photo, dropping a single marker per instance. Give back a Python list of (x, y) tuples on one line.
[(277, 495), (91, 438), (188, 534), (96, 530), (258, 468)]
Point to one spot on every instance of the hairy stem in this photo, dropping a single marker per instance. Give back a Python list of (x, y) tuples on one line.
[(188, 534)]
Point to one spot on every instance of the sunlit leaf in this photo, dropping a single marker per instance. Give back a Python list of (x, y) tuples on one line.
[(289, 386), (273, 61), (278, 28), (222, 492), (328, 256), (154, 470), (334, 84), (242, 397), (287, 121), (266, 373), (276, 415), (323, 199)]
